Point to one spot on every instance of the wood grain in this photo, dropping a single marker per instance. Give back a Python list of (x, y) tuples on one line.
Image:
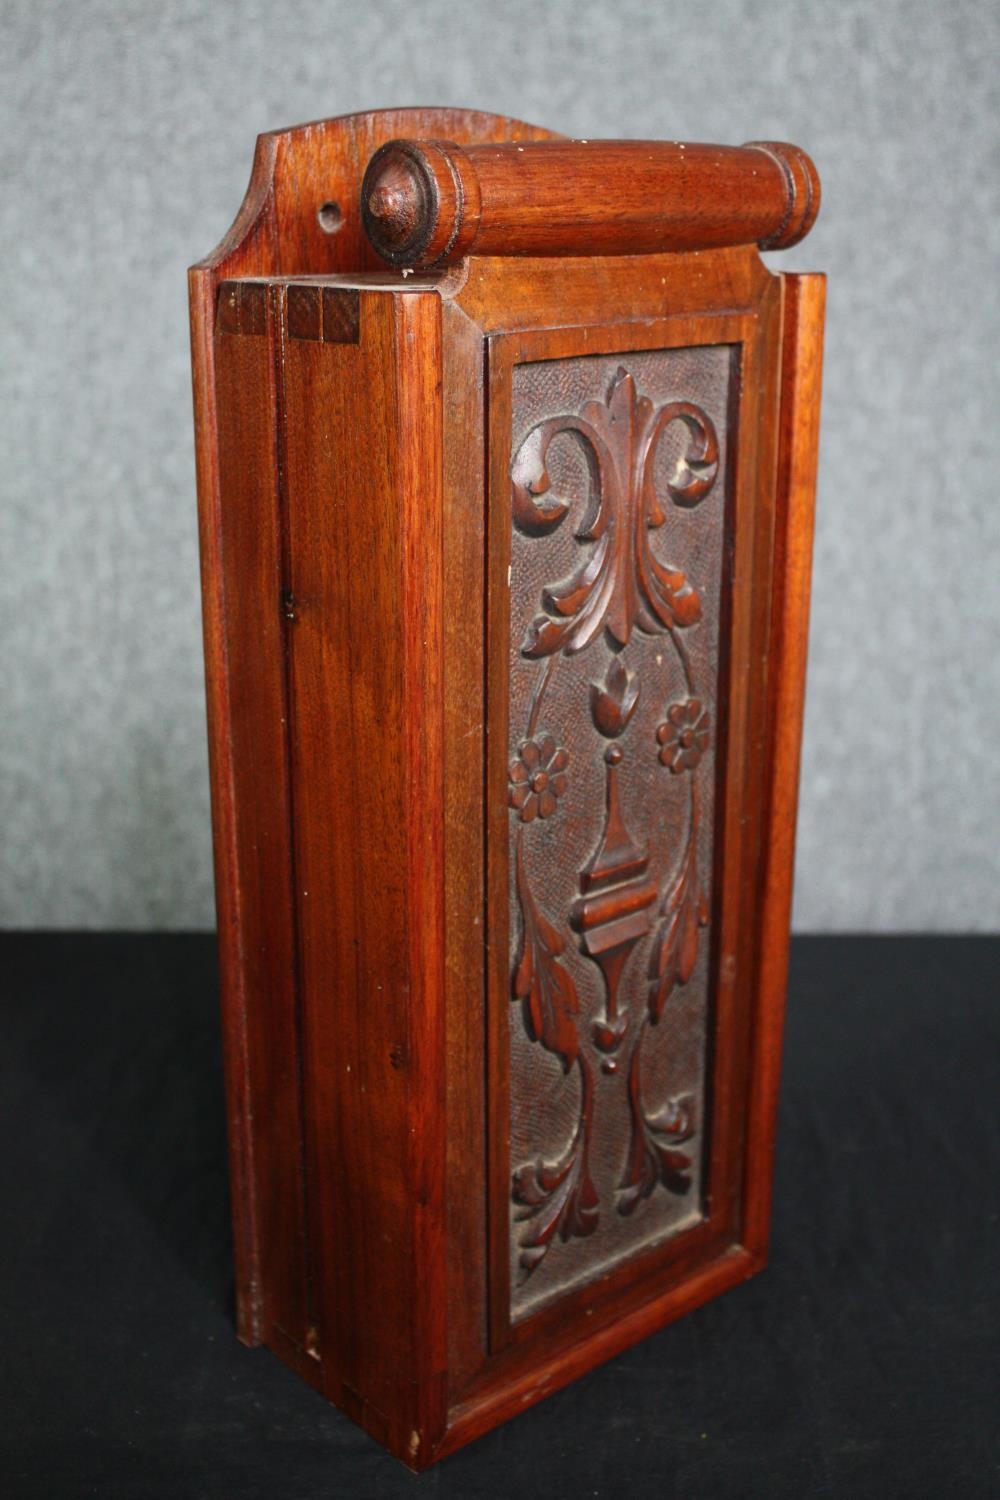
[(379, 455), (430, 203), (278, 231), (753, 331), (365, 706), (795, 488)]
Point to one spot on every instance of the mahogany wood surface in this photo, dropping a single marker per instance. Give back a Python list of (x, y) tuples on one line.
[(428, 203), (718, 1227), (795, 488), (304, 183), (392, 988)]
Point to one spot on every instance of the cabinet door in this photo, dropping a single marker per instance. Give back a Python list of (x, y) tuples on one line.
[(630, 523)]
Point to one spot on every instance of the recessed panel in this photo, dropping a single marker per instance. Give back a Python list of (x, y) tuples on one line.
[(618, 481)]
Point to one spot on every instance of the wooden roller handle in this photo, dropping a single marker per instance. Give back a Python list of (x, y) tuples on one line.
[(428, 203)]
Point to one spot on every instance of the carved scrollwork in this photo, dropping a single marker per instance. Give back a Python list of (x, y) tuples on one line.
[(620, 586), (558, 1196), (622, 583), (654, 1153)]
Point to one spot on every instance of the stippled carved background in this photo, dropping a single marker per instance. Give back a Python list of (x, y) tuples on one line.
[(618, 485)]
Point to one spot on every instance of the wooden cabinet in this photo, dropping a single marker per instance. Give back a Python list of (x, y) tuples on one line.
[(506, 462)]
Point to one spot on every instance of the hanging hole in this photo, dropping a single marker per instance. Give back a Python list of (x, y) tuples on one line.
[(330, 218)]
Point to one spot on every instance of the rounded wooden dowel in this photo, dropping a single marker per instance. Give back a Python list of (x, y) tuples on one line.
[(428, 203)]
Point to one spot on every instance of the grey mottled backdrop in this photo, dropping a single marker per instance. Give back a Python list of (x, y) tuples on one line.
[(127, 136)]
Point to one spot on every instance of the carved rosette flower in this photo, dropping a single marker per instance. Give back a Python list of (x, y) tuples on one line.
[(538, 778), (684, 734)]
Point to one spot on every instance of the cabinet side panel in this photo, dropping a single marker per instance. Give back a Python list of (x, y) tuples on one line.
[(465, 921), (362, 482), (254, 662), (201, 285), (795, 490)]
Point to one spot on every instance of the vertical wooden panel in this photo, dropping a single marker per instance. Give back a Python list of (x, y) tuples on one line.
[(363, 491), (255, 669), (465, 924), (417, 327), (794, 491), (745, 520), (617, 591), (742, 851), (222, 772)]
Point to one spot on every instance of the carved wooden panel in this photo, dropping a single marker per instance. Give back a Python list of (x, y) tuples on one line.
[(618, 480)]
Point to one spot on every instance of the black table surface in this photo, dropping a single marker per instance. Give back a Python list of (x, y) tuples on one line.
[(862, 1362)]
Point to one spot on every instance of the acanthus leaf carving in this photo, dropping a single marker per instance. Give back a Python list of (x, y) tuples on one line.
[(654, 1153), (541, 982), (684, 911), (556, 1196), (559, 1197), (622, 584)]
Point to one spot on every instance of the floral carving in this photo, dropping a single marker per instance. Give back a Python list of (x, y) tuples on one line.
[(620, 586), (622, 583), (684, 734), (538, 778), (614, 704)]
